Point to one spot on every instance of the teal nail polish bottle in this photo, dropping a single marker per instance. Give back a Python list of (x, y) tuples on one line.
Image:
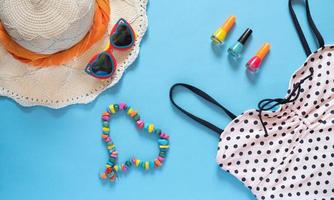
[(236, 50)]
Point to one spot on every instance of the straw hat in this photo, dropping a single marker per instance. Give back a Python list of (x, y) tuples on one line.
[(47, 30)]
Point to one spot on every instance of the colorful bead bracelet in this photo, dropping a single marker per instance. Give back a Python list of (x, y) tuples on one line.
[(112, 168)]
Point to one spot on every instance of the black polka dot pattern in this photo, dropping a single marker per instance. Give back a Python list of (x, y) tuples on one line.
[(295, 160)]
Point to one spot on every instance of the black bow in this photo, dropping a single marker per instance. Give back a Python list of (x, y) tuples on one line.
[(268, 104)]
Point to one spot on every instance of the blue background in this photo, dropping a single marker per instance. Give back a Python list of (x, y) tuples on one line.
[(57, 154)]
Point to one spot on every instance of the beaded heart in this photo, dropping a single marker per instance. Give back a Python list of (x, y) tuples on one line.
[(112, 168)]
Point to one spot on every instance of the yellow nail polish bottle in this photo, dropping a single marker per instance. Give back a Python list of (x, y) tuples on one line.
[(219, 36)]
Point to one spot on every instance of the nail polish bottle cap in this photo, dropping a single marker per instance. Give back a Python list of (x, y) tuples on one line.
[(244, 37), (264, 50), (229, 23)]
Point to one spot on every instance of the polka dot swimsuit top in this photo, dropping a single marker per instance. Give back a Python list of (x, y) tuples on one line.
[(287, 153)]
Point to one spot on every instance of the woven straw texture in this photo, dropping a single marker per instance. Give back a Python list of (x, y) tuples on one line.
[(47, 26), (60, 86)]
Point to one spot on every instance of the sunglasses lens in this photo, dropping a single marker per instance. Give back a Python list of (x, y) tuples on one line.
[(103, 66), (122, 37)]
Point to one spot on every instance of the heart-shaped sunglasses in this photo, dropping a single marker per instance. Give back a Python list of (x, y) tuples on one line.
[(103, 65)]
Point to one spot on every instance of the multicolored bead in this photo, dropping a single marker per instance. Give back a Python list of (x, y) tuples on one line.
[(107, 139), (105, 124), (122, 106), (150, 128), (157, 131), (105, 129), (164, 136), (137, 163), (130, 111), (112, 109), (116, 107), (161, 159), (163, 142), (105, 118), (147, 165), (151, 164), (140, 123), (114, 154), (136, 117), (164, 147)]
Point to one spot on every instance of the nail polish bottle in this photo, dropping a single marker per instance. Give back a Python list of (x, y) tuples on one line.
[(255, 62), (219, 36), (236, 50)]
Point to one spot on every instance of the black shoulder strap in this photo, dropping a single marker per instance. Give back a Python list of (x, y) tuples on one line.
[(301, 35), (204, 96)]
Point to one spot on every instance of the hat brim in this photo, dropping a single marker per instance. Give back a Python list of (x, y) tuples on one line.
[(67, 84)]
